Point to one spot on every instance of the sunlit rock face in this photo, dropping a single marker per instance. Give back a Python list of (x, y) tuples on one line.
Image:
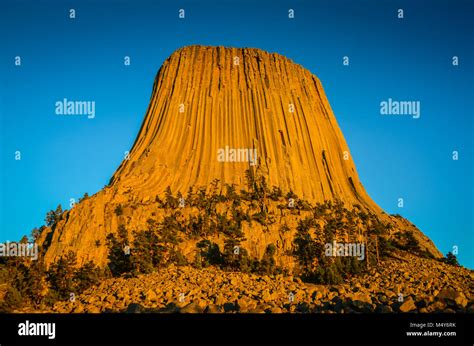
[(216, 113)]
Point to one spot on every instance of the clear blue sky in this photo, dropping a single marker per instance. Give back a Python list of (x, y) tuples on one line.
[(82, 59)]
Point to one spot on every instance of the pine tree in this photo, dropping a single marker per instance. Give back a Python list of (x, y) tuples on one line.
[(119, 252), (148, 252), (61, 275), (86, 276), (53, 216), (268, 265), (209, 253), (451, 259), (170, 200)]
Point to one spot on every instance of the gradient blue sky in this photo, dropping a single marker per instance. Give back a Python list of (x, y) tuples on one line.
[(82, 59)]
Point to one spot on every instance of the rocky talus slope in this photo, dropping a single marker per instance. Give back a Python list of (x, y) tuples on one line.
[(405, 283)]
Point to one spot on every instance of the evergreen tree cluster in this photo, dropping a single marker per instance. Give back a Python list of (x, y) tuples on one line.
[(31, 284)]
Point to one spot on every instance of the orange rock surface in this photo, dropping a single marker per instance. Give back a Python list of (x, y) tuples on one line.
[(240, 106), (205, 99)]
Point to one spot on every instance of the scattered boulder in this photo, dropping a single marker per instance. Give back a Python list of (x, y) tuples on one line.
[(276, 310), (228, 307), (213, 309), (150, 295), (408, 305), (383, 309), (135, 308), (79, 309), (192, 308), (92, 309), (452, 297), (172, 289)]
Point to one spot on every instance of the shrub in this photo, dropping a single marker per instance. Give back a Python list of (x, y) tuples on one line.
[(230, 192), (170, 201), (260, 217), (451, 259), (195, 226), (406, 241), (291, 194), (411, 242), (385, 246), (209, 253), (351, 265), (118, 210), (177, 257), (87, 276), (13, 298), (168, 229), (235, 256), (86, 196), (328, 273), (275, 194)]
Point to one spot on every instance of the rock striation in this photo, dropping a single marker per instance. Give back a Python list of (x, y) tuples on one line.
[(215, 113), (209, 98)]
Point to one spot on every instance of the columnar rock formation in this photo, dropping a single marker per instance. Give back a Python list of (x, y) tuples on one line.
[(209, 99)]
